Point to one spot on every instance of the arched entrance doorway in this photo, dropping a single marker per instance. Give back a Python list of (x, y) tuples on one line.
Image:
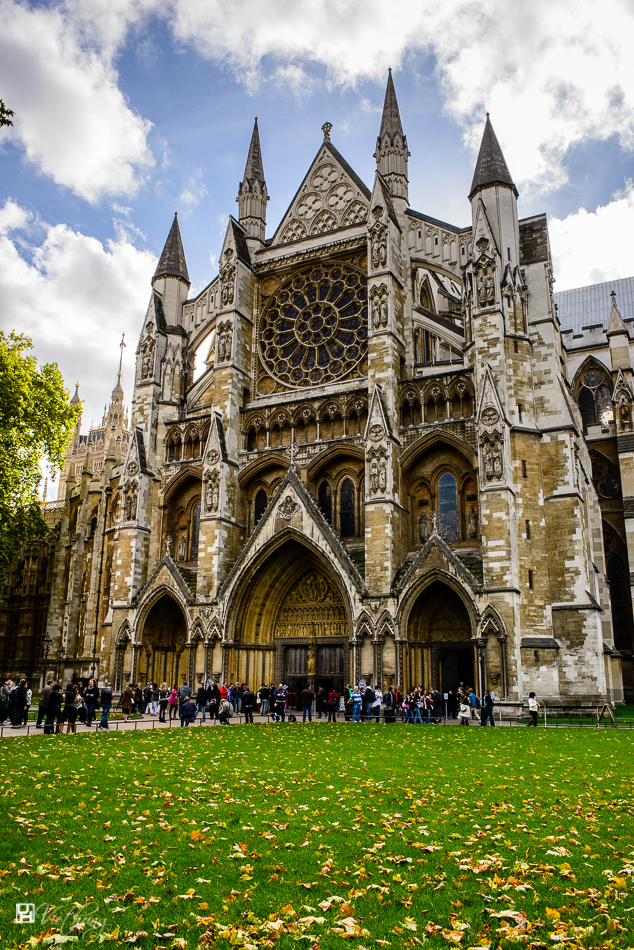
[(291, 624), (441, 651), (163, 657)]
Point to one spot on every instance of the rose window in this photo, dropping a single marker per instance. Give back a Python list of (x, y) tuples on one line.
[(315, 328)]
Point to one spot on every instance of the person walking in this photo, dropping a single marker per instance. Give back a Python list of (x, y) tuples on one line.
[(19, 704), (91, 698), (248, 702), (357, 700), (53, 711), (138, 700), (533, 709), (474, 703), (29, 699), (173, 702), (306, 699), (487, 710), (41, 712), (106, 705), (164, 695), (127, 698), (147, 698), (389, 709), (201, 701), (70, 708)]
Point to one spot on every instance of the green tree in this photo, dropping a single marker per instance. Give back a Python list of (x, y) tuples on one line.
[(5, 115), (36, 424)]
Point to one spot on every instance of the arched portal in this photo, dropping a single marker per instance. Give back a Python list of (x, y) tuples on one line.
[(441, 651), (291, 623), (163, 657)]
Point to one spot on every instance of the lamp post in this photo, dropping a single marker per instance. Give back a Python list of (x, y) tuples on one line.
[(47, 642), (107, 494), (61, 653)]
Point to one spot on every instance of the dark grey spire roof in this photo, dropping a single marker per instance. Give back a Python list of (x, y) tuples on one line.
[(391, 119), (172, 262), (491, 169), (254, 167)]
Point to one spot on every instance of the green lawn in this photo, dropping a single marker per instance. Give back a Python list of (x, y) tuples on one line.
[(299, 836)]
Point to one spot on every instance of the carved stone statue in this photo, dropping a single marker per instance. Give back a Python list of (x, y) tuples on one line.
[(488, 463), (497, 462), (625, 412), (376, 312), (147, 361), (374, 477), (382, 475), (168, 544), (472, 523), (384, 310), (182, 548), (434, 523), (482, 291), (311, 659), (423, 526), (379, 247), (133, 500), (490, 289)]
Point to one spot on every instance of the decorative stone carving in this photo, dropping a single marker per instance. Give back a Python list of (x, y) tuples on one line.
[(133, 468), (490, 415), (168, 544), (486, 287), (379, 304), (435, 523), (130, 507), (225, 336), (188, 312), (288, 508), (379, 246), (227, 279), (213, 456), (182, 548), (423, 526), (376, 432), (212, 490), (625, 412), (472, 523), (493, 464), (147, 359)]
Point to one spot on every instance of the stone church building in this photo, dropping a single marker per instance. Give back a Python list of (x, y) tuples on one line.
[(400, 463)]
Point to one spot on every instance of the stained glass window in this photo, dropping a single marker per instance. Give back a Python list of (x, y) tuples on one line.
[(261, 501), (448, 506), (315, 328), (195, 531), (346, 514), (324, 499)]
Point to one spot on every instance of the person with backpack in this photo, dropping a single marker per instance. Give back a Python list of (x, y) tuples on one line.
[(226, 712), (106, 704), (474, 703), (487, 710)]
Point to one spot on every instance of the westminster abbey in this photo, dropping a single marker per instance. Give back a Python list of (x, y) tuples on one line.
[(406, 459)]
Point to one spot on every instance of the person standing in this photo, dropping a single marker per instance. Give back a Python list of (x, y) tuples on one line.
[(472, 699), (388, 708), (487, 710), (213, 699), (248, 702), (164, 695), (147, 698), (321, 699), (156, 695), (19, 704), (306, 699), (29, 698), (464, 712), (279, 704), (333, 705), (70, 708), (357, 700), (53, 710), (201, 701), (41, 713), (533, 709), (5, 700), (173, 702), (138, 700), (106, 705), (265, 694), (376, 703), (127, 698), (368, 699), (91, 698)]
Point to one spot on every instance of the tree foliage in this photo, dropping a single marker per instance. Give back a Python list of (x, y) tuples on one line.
[(36, 423), (5, 115)]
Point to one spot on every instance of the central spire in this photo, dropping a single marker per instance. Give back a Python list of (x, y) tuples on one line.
[(172, 260), (391, 145), (252, 193)]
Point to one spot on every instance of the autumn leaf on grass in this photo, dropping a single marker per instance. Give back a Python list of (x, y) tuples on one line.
[(552, 914), (410, 924), (197, 836)]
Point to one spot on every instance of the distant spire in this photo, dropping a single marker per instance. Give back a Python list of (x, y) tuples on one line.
[(491, 169), (172, 262), (252, 193), (254, 168), (391, 145), (615, 324), (391, 119), (118, 388), (75, 400)]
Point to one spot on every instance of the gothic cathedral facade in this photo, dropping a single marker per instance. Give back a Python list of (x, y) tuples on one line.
[(381, 473)]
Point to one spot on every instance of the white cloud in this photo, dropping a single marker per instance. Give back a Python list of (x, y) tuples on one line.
[(70, 116), (590, 247), (74, 299)]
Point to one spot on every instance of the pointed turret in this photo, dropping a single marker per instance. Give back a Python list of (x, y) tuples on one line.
[(252, 193), (172, 260), (391, 146), (171, 279), (615, 324), (491, 168)]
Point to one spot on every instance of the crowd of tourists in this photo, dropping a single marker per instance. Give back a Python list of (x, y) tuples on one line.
[(63, 709)]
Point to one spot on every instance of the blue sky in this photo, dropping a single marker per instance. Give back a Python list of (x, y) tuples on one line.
[(128, 110)]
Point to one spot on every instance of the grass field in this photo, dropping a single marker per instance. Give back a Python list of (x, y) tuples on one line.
[(301, 836)]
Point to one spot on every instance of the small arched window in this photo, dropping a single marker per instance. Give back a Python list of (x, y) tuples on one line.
[(259, 507), (587, 407), (448, 506), (252, 440), (346, 510), (324, 499), (195, 530)]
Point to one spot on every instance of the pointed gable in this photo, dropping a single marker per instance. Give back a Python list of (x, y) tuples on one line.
[(331, 196), (436, 555)]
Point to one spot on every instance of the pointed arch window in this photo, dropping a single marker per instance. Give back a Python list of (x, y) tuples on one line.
[(621, 602), (346, 510), (324, 499), (448, 506), (259, 507), (195, 530), (594, 398)]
